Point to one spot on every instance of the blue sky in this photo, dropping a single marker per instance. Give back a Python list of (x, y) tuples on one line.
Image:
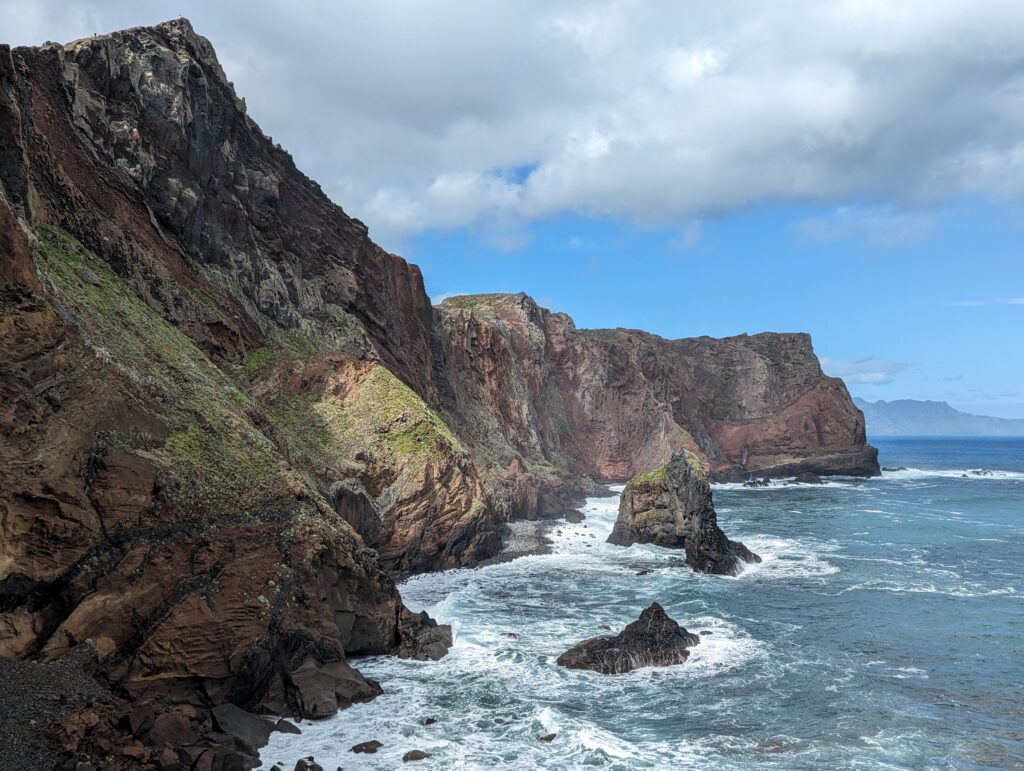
[(927, 314), (682, 167)]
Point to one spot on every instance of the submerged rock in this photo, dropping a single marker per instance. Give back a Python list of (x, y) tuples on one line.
[(808, 478), (672, 507), (653, 640), (369, 748), (762, 482)]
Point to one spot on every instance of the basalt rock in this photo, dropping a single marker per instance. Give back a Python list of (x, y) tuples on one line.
[(540, 395), (227, 415), (653, 640), (672, 507)]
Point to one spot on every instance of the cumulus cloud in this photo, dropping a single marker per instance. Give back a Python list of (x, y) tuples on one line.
[(867, 371), (452, 113)]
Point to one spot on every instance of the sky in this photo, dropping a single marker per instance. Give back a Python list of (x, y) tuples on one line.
[(851, 169)]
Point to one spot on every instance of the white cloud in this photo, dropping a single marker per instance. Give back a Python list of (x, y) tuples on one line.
[(415, 115), (867, 371), (984, 303), (877, 226)]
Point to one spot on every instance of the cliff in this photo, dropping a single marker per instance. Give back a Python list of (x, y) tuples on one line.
[(228, 415), (525, 383)]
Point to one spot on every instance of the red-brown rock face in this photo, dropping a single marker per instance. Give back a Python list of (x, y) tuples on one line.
[(225, 413), (612, 403)]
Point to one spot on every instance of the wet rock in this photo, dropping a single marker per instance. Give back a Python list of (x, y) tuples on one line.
[(653, 640), (511, 635), (547, 737), (251, 729), (575, 517), (368, 748), (308, 764), (428, 721), (644, 572), (808, 478), (421, 637), (895, 468), (672, 507), (705, 631), (763, 482), (286, 727), (412, 755)]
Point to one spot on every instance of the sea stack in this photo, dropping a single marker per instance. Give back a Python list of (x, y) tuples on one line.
[(671, 506), (653, 640)]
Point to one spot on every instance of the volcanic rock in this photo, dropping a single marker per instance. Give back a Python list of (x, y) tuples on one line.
[(653, 640), (672, 507), (808, 478), (369, 747)]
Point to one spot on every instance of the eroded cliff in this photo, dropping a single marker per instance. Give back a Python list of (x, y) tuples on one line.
[(227, 414), (524, 382)]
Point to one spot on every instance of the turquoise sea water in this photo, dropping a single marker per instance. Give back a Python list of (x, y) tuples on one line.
[(885, 629)]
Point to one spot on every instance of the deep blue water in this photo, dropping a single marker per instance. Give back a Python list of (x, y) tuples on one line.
[(885, 629)]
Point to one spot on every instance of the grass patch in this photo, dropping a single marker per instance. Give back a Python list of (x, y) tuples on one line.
[(214, 459)]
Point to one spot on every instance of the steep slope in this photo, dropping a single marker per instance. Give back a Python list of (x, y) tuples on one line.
[(522, 382), (227, 413)]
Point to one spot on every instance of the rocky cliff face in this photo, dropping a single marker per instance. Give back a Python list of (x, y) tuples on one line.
[(193, 341), (525, 383), (671, 506), (227, 414)]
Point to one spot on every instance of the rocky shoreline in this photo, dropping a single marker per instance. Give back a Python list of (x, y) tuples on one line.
[(230, 419)]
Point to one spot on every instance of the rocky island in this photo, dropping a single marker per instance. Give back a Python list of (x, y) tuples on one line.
[(653, 640), (672, 507), (230, 418)]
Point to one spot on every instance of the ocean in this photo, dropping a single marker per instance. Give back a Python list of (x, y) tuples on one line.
[(884, 629)]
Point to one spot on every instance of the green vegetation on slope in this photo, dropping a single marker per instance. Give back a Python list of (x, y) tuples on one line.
[(213, 459), (380, 416)]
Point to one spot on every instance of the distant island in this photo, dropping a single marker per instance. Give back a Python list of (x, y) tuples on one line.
[(913, 417)]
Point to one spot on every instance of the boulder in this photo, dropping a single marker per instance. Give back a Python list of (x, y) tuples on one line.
[(672, 507), (421, 638), (251, 729), (415, 755), (808, 478), (368, 748), (653, 640)]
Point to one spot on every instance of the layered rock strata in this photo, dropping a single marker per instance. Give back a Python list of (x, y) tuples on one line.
[(672, 507)]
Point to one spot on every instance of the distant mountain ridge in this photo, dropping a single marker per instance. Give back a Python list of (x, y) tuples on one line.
[(913, 417)]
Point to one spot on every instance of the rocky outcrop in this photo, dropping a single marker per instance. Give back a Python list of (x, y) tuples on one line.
[(653, 640), (168, 277), (533, 389), (227, 415), (672, 507)]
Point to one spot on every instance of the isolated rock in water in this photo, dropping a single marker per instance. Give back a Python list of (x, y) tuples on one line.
[(415, 755), (421, 637), (368, 748), (308, 764), (672, 507), (653, 640), (808, 478), (547, 737)]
